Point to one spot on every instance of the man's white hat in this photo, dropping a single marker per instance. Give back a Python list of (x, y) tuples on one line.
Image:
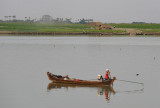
[(107, 69)]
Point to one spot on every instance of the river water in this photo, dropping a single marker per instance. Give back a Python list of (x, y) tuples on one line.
[(24, 61)]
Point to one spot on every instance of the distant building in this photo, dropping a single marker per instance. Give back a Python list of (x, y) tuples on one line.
[(46, 18)]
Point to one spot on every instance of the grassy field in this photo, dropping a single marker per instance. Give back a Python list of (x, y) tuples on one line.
[(37, 27), (142, 27), (75, 28)]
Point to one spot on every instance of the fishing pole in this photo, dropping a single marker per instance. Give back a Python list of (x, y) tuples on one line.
[(130, 81), (125, 81)]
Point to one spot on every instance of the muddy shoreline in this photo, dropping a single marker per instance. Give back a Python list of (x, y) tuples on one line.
[(72, 33)]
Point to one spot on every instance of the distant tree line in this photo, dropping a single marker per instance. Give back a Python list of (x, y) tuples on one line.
[(14, 19), (138, 22), (46, 19)]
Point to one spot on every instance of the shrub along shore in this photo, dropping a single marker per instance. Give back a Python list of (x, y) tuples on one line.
[(77, 29)]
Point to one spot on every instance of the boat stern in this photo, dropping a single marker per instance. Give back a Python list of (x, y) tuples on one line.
[(114, 78), (49, 75)]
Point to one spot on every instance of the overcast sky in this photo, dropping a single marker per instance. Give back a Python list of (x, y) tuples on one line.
[(118, 11)]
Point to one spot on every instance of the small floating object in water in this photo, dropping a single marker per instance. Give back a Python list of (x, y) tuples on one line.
[(137, 74)]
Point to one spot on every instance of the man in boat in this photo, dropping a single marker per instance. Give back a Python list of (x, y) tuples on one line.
[(64, 77), (58, 76), (107, 75)]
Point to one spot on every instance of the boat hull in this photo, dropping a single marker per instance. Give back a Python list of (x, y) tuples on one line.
[(80, 82)]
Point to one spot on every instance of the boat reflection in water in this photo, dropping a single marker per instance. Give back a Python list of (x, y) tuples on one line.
[(101, 90)]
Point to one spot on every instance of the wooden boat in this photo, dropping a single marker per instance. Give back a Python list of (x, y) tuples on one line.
[(67, 80)]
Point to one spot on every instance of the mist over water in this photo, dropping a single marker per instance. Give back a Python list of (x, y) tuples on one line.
[(109, 11), (24, 61)]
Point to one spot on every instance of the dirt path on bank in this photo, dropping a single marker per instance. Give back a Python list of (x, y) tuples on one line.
[(130, 31), (5, 32)]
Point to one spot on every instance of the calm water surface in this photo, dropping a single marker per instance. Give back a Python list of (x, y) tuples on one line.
[(25, 60)]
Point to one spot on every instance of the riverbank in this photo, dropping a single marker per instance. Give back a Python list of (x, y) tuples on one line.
[(74, 33), (77, 29), (60, 33)]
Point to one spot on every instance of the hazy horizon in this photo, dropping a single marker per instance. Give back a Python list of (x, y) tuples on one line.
[(115, 11)]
